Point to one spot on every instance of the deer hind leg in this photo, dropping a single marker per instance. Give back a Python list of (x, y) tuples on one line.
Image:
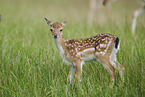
[(136, 14), (105, 61), (114, 61), (121, 70)]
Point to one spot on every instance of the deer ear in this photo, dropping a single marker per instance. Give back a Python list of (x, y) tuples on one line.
[(48, 22), (64, 23)]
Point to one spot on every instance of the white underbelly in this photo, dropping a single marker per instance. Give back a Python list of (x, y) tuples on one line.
[(90, 57), (67, 62)]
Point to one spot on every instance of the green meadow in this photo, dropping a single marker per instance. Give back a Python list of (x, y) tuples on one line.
[(31, 66)]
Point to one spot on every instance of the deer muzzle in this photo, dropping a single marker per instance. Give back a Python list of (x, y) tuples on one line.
[(55, 36)]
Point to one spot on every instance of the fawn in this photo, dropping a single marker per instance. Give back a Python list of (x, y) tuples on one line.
[(102, 47)]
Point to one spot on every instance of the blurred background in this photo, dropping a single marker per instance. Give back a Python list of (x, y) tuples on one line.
[(74, 10)]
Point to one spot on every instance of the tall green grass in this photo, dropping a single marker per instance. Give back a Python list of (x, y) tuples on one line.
[(30, 64)]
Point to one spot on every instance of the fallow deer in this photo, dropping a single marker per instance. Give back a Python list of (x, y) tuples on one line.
[(96, 6), (137, 13), (75, 52)]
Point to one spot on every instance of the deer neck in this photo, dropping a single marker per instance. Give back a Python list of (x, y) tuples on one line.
[(60, 44)]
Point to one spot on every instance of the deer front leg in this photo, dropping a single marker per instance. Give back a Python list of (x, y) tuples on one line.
[(78, 67), (71, 74)]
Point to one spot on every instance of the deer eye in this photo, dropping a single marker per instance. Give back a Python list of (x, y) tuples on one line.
[(60, 30), (51, 30)]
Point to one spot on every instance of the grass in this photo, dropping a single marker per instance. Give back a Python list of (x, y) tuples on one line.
[(30, 64)]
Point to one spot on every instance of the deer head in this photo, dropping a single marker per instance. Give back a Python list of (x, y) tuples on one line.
[(56, 28)]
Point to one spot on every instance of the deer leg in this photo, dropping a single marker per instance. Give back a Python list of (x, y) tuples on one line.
[(121, 70), (110, 68), (109, 11), (71, 74), (118, 67), (136, 14), (78, 67), (92, 10)]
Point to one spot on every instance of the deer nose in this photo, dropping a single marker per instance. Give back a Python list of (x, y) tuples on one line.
[(55, 36)]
